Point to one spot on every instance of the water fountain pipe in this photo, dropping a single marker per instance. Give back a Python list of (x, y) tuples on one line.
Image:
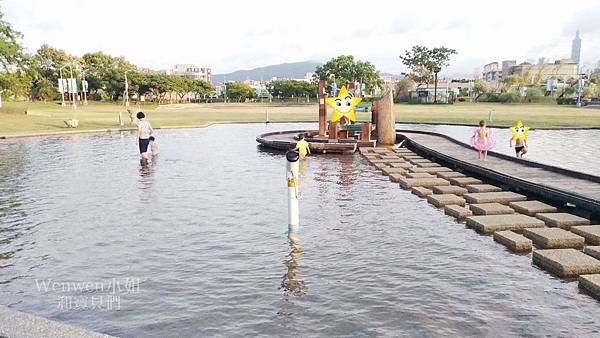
[(292, 175)]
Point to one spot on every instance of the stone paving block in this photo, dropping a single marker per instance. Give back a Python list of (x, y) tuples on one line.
[(428, 165), (421, 191), (396, 177), (591, 233), (566, 263), (562, 220), (490, 223), (419, 160), (403, 151), (382, 150), (381, 166), (450, 189), (399, 164), (590, 284), (377, 160), (445, 199), (457, 211), (389, 157), (482, 188), (593, 251), (513, 241), (449, 174), (388, 171), (366, 150), (554, 238), (490, 209), (412, 157), (531, 208), (429, 183), (419, 175), (502, 197), (464, 181), (432, 170)]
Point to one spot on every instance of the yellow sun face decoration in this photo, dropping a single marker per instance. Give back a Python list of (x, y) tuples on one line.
[(343, 105), (519, 131)]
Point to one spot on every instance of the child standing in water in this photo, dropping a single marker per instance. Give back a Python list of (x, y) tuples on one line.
[(153, 146), (143, 133), (482, 140), (302, 147)]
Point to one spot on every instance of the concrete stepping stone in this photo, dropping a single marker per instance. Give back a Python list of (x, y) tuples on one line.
[(429, 183), (419, 160), (513, 241), (464, 181), (450, 189), (554, 238), (404, 151), (389, 171), (400, 164), (531, 208), (490, 223), (562, 220), (419, 175), (566, 263), (502, 197), (590, 284), (389, 157), (382, 150), (381, 166), (593, 251), (449, 174), (482, 188), (591, 233), (457, 211), (428, 165), (412, 157), (445, 199), (432, 170), (421, 191), (377, 160), (396, 177), (490, 209)]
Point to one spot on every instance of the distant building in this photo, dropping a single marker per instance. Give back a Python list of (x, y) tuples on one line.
[(492, 72), (191, 70), (563, 70), (576, 48)]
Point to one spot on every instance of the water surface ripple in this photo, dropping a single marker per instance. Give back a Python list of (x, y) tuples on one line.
[(204, 229)]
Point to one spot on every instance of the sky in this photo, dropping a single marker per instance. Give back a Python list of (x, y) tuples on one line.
[(231, 35)]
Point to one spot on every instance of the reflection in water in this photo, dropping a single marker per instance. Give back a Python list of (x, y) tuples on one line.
[(290, 283)]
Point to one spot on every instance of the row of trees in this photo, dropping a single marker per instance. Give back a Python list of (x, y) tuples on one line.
[(35, 76)]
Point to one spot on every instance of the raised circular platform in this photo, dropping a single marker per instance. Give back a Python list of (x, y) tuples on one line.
[(286, 139)]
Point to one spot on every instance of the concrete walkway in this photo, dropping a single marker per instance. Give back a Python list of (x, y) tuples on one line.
[(560, 185), (17, 324)]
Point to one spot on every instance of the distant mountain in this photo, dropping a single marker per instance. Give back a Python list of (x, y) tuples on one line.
[(293, 70)]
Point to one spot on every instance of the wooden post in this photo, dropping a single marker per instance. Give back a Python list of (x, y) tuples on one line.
[(386, 121), (333, 131), (365, 131), (322, 108)]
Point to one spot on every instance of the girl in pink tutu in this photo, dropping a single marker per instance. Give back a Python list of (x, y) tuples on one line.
[(482, 140)]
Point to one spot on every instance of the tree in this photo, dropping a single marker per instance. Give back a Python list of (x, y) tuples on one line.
[(292, 88), (11, 52), (344, 69), (403, 87), (422, 61), (239, 91)]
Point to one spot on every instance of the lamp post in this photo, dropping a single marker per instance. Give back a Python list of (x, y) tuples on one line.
[(436, 70)]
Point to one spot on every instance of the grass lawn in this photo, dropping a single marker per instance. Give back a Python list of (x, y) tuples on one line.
[(49, 117)]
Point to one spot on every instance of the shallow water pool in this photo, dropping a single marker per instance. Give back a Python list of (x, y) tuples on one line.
[(196, 244)]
